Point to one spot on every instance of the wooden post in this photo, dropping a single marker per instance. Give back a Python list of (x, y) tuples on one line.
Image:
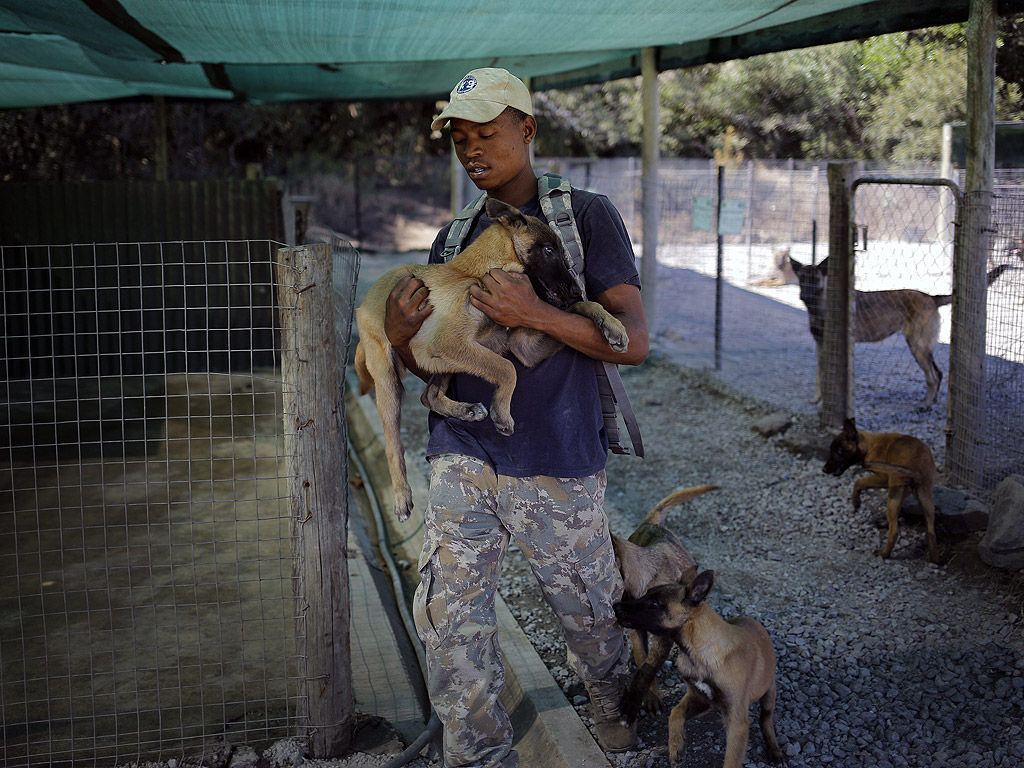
[(836, 364), (315, 437), (649, 183), (966, 413)]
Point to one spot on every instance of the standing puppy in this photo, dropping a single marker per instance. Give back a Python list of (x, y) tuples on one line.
[(901, 463), (652, 556), (726, 664)]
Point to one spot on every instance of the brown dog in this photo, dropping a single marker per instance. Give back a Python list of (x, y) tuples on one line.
[(878, 315), (726, 664), (457, 337), (650, 557), (901, 463)]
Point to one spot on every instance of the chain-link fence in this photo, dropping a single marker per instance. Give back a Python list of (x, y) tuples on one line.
[(146, 542), (904, 236)]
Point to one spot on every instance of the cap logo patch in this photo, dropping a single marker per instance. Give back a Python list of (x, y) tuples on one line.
[(468, 84)]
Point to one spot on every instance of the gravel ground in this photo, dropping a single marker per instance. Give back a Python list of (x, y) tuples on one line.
[(880, 663)]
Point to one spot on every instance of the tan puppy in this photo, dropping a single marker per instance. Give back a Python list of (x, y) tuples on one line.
[(457, 337), (652, 556), (901, 463), (726, 664)]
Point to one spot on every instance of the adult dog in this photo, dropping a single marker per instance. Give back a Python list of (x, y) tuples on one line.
[(651, 557), (457, 337), (878, 315), (901, 463), (726, 664)]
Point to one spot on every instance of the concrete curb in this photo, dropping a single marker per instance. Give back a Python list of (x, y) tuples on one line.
[(548, 731)]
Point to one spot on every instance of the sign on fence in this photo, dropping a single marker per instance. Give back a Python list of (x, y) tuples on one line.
[(730, 215)]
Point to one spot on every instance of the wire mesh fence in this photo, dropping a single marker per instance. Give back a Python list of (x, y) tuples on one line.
[(904, 237), (1003, 392), (146, 551)]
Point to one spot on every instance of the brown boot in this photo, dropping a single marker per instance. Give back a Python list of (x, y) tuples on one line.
[(612, 734)]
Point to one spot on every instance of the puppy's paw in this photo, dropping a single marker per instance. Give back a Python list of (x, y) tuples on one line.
[(652, 702), (504, 427), (473, 412)]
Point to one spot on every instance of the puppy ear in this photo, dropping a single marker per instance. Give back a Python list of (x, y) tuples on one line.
[(823, 266), (701, 587), (797, 266), (504, 214), (850, 428)]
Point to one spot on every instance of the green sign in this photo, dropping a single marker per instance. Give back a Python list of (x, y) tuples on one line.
[(702, 213)]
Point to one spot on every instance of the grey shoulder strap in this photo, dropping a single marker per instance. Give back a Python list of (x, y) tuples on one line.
[(556, 203), (461, 226)]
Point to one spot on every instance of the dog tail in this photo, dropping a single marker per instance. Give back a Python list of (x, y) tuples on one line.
[(995, 272), (365, 380), (943, 300), (657, 515)]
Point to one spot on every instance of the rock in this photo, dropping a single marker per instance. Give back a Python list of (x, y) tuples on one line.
[(772, 424), (955, 513), (1002, 545), (806, 445)]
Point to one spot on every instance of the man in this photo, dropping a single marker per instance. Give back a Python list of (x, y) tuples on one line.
[(543, 485)]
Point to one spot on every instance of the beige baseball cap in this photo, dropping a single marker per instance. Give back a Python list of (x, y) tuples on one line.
[(483, 94)]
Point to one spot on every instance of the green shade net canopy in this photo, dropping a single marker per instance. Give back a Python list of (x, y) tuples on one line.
[(62, 51)]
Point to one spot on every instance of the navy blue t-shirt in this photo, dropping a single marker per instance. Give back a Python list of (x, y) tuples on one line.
[(559, 429)]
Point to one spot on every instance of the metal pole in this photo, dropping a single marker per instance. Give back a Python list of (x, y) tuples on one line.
[(719, 268), (649, 183)]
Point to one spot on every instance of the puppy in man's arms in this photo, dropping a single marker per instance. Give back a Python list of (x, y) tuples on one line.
[(458, 337)]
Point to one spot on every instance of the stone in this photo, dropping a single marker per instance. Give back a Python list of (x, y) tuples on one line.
[(955, 513), (806, 445), (1002, 545), (772, 424)]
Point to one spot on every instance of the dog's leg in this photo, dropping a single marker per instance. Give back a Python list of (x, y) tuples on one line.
[(925, 496), (892, 516), (737, 735), (817, 371), (922, 337), (608, 324), (657, 650), (693, 704), (767, 722), (435, 399), (495, 369), (862, 483), (389, 393)]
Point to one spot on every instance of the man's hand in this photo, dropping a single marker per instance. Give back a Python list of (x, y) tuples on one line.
[(408, 306), (507, 298)]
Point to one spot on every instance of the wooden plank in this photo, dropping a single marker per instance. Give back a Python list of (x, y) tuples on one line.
[(837, 344), (315, 436)]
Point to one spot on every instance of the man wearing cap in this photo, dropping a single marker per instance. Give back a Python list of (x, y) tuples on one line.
[(542, 486)]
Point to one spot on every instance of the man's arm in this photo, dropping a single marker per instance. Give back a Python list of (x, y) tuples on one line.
[(408, 306), (509, 299)]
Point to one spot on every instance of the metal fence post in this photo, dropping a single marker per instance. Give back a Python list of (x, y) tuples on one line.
[(836, 359), (315, 437)]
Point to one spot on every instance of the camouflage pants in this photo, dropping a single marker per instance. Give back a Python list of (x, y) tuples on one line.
[(561, 528)]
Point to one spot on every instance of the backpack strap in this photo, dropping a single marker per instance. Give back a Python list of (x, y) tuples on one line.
[(556, 203), (461, 226)]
